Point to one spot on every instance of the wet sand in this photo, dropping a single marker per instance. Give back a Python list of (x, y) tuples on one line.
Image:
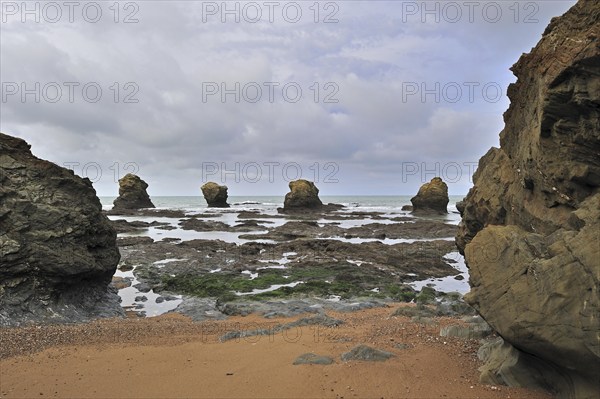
[(170, 356)]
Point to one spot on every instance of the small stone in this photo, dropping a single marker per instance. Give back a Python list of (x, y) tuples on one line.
[(364, 352), (311, 358)]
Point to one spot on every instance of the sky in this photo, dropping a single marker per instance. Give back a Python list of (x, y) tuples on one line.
[(361, 97)]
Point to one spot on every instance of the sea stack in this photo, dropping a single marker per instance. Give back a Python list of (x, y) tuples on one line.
[(303, 195), (530, 224), (132, 194), (58, 251), (215, 195), (431, 198)]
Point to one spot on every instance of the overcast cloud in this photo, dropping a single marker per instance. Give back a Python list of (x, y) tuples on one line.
[(367, 129)]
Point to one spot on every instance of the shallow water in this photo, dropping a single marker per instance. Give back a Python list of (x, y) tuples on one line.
[(448, 284), (150, 306), (388, 207)]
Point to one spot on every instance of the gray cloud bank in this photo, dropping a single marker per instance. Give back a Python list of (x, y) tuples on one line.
[(362, 97)]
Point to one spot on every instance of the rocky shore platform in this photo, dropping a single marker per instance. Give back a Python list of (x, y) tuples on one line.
[(227, 262)]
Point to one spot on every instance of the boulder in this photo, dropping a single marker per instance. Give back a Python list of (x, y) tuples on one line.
[(311, 358), (58, 250), (530, 224), (366, 353), (132, 194), (303, 195), (432, 197), (215, 195)]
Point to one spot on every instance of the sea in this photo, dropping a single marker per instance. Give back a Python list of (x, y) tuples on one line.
[(386, 206)]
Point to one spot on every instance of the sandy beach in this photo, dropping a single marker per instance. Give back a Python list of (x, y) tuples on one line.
[(170, 356)]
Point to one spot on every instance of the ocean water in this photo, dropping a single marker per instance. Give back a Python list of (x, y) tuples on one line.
[(389, 205)]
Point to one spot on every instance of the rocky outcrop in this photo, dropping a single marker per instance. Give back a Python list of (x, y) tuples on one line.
[(58, 250), (531, 223), (132, 194), (215, 195), (303, 195), (431, 198)]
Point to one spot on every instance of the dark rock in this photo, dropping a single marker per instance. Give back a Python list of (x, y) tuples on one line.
[(473, 331), (432, 197), (165, 226), (453, 306), (311, 358), (123, 226), (506, 365), (129, 241), (203, 225), (381, 231), (166, 213), (529, 228), (426, 296), (125, 266), (303, 195), (407, 208), (141, 298), (460, 206), (58, 250), (366, 353), (322, 320), (142, 287), (199, 309), (120, 282), (132, 194), (215, 195)]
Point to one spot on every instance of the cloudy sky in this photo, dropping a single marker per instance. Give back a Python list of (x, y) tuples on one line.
[(362, 97)]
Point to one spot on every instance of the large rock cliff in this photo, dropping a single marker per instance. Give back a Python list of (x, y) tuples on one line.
[(432, 197), (58, 251), (132, 194), (215, 195), (531, 223), (303, 195)]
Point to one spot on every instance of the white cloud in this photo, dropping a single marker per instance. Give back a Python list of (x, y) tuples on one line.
[(169, 56)]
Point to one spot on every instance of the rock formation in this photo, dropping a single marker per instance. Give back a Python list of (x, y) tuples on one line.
[(58, 250), (215, 195), (432, 197), (132, 194), (531, 224), (303, 195)]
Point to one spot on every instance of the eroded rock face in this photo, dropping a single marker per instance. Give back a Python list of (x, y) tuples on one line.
[(58, 251), (215, 195), (432, 197), (531, 223), (132, 194), (303, 195)]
